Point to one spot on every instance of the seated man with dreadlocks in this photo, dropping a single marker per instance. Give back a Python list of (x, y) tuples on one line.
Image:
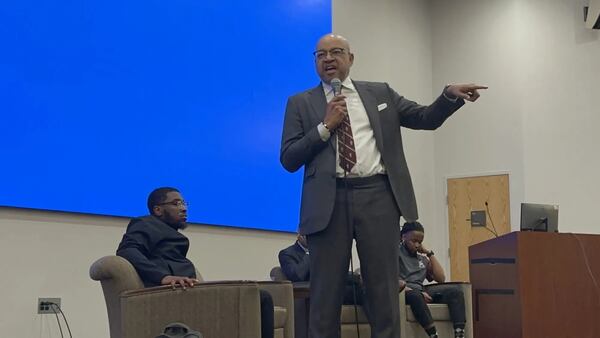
[(416, 263)]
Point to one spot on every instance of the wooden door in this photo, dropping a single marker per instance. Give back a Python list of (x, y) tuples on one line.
[(468, 194)]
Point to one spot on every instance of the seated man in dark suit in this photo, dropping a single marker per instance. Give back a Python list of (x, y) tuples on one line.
[(416, 263), (294, 261), (157, 250)]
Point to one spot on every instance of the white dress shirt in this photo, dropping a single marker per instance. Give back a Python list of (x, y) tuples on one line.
[(368, 157)]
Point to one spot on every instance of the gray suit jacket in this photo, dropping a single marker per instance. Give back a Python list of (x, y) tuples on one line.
[(301, 145)]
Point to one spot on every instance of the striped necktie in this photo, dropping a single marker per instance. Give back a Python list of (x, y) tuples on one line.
[(346, 149)]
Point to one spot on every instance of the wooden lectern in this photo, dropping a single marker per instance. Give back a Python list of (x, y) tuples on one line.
[(536, 285)]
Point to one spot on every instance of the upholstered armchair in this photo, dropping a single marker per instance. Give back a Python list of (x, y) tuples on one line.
[(348, 315), (216, 309), (283, 300), (409, 327)]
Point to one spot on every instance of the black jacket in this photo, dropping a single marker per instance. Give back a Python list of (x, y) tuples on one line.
[(295, 263), (155, 250)]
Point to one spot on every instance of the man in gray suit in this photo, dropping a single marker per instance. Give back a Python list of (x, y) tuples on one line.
[(356, 181)]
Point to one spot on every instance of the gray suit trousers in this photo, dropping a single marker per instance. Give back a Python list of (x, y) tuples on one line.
[(365, 210)]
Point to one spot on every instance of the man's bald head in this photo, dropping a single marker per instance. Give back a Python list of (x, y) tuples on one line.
[(333, 58), (334, 37)]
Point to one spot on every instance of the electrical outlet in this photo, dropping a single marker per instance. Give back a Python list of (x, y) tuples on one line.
[(44, 305)]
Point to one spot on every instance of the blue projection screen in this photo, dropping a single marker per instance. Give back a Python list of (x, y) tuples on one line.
[(102, 101)]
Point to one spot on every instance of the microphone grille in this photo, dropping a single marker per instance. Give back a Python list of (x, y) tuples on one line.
[(336, 84)]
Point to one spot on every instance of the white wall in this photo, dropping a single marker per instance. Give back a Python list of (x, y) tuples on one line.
[(472, 42), (537, 120), (391, 42), (561, 111)]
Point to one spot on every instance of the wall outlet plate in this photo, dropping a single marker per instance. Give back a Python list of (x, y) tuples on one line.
[(44, 307)]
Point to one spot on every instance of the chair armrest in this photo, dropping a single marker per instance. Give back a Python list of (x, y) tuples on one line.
[(216, 309), (283, 296), (155, 289), (402, 313), (118, 271), (281, 291), (402, 300), (116, 275)]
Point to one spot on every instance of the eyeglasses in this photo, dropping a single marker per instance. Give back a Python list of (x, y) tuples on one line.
[(334, 52), (176, 203)]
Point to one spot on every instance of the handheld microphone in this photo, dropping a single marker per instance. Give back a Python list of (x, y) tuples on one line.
[(336, 84)]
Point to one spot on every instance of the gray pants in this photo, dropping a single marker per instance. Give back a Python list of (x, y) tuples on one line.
[(374, 224)]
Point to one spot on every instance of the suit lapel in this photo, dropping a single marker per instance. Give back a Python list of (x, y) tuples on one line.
[(369, 100), (318, 102)]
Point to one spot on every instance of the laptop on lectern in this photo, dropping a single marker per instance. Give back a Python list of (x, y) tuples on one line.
[(539, 217)]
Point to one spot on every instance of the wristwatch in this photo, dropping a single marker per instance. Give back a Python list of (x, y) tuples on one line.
[(430, 253)]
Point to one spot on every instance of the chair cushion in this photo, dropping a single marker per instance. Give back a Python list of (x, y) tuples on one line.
[(439, 312), (349, 330), (280, 317), (348, 315)]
